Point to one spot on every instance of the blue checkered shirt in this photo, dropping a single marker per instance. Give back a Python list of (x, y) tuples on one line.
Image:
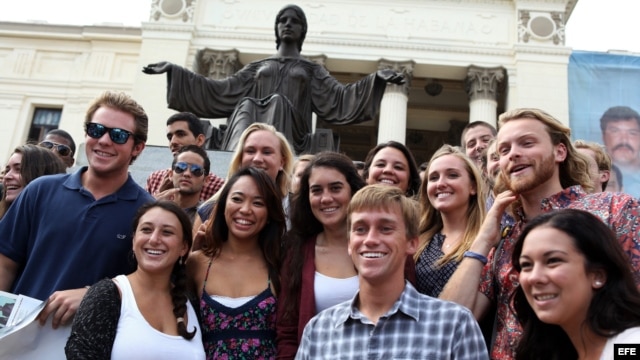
[(416, 327)]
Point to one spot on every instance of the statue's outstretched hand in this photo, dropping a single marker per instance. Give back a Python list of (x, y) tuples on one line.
[(157, 68), (391, 76)]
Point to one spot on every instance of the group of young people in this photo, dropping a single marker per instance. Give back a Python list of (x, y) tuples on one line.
[(343, 264)]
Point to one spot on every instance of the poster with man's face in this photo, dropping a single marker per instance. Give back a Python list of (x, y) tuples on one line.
[(604, 105)]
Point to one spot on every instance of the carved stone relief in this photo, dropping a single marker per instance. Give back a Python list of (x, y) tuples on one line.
[(541, 26)]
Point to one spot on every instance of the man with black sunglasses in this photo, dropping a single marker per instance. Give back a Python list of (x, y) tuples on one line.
[(65, 232), (183, 129), (189, 172), (61, 143)]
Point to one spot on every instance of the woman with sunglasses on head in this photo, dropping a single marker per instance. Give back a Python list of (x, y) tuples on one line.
[(392, 163), (27, 163), (145, 314), (452, 198), (577, 295), (261, 147), (236, 271)]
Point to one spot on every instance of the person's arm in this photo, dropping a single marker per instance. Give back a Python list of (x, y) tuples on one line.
[(286, 327), (8, 272), (94, 327), (463, 285), (62, 306), (199, 228)]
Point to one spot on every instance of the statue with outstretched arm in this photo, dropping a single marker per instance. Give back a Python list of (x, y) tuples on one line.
[(282, 90)]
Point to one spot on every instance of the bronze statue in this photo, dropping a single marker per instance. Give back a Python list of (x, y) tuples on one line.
[(282, 90)]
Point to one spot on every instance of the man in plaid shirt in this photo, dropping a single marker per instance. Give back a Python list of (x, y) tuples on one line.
[(183, 129), (388, 318)]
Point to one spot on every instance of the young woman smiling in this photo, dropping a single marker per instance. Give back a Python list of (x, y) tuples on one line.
[(236, 272), (318, 272), (453, 207), (127, 317), (577, 296)]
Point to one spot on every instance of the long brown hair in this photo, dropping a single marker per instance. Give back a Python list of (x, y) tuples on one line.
[(36, 161), (305, 226)]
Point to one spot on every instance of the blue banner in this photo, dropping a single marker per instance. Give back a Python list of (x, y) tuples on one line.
[(604, 101)]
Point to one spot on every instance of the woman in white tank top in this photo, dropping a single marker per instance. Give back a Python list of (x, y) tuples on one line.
[(143, 315), (318, 272)]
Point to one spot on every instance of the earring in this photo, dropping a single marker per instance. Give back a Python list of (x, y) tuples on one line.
[(598, 283)]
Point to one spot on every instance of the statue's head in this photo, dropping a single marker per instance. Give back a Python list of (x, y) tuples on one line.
[(303, 19)]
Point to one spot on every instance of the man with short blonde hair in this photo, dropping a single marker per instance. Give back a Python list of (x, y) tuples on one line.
[(388, 318)]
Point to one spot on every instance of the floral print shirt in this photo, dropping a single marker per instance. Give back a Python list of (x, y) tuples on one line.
[(619, 211), (245, 332)]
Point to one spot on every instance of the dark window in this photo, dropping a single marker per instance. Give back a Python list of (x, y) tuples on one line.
[(44, 119)]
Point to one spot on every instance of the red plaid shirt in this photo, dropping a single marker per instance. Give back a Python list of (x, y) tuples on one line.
[(212, 186)]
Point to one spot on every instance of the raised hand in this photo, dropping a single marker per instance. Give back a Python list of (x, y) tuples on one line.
[(490, 229), (157, 68)]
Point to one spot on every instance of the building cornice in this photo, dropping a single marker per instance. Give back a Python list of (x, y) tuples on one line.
[(70, 32), (483, 49)]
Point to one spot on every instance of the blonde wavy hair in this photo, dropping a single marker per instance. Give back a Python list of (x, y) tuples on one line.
[(431, 219), (283, 177)]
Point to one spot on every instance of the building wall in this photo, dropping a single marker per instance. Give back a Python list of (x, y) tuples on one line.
[(67, 66)]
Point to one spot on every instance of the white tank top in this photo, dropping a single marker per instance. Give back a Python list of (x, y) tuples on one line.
[(232, 303), (331, 291), (136, 339)]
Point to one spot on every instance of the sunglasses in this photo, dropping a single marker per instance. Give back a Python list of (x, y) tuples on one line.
[(117, 135), (62, 149), (196, 170)]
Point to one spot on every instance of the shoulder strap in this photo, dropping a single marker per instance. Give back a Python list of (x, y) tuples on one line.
[(206, 275)]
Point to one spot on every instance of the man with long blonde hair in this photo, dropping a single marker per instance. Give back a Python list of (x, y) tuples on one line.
[(541, 171)]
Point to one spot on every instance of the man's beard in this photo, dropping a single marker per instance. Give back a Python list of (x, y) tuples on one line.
[(542, 172)]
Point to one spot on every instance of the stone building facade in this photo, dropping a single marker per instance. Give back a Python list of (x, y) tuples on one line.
[(464, 60)]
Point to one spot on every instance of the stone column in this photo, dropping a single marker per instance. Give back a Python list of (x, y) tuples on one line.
[(484, 85), (393, 107)]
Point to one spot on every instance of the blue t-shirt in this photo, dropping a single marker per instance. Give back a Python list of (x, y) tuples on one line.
[(62, 238)]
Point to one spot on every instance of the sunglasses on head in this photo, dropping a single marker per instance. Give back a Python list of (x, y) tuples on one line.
[(62, 149), (117, 135), (196, 170)]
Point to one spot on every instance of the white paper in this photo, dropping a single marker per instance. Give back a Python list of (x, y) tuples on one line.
[(29, 340)]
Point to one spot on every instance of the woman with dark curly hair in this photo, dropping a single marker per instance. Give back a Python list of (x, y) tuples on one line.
[(236, 271), (127, 317), (577, 295)]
